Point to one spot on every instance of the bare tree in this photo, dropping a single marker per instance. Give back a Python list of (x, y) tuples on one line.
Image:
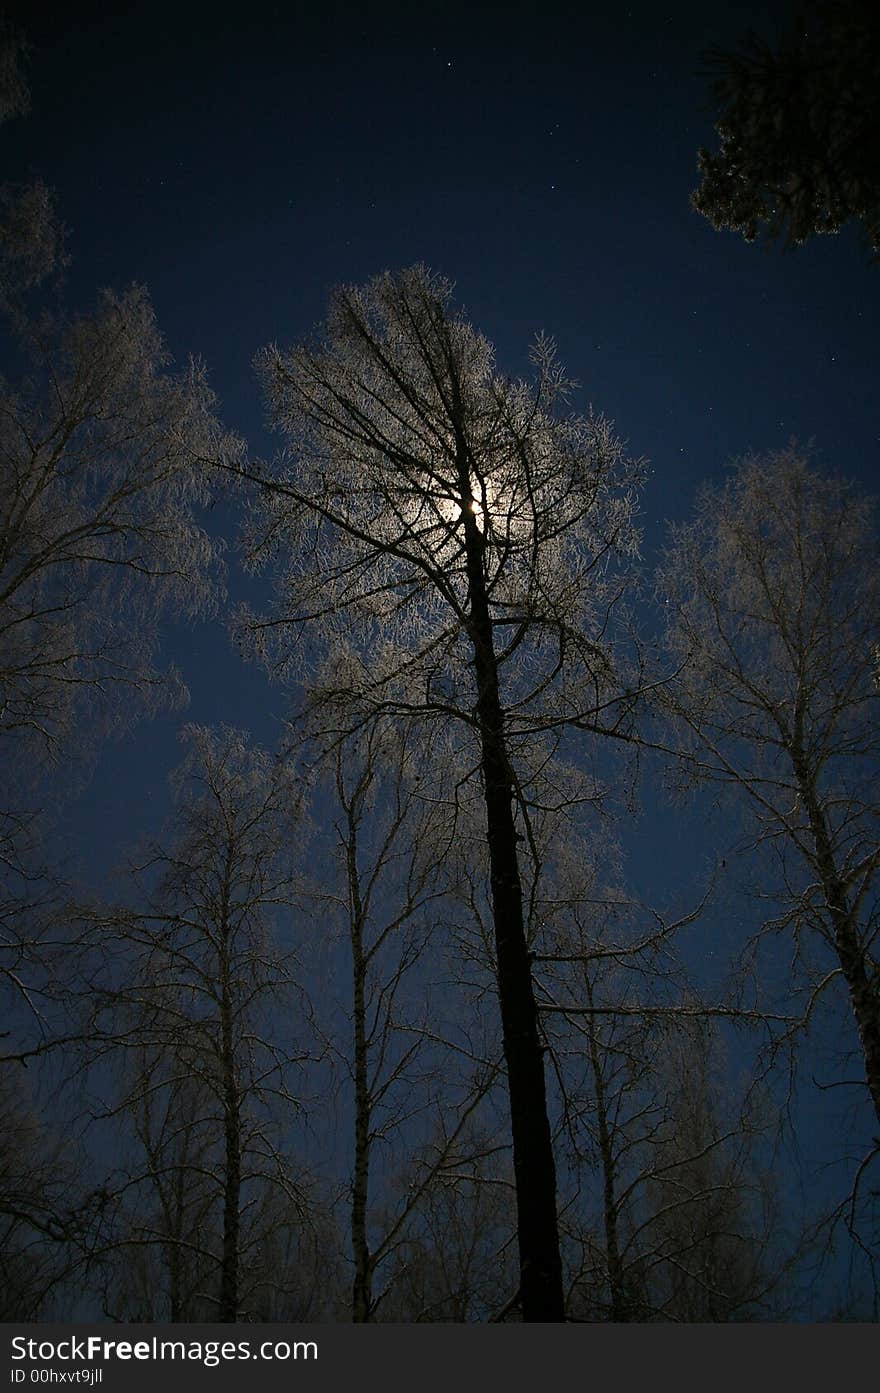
[(194, 999), (710, 1208), (159, 1248), (458, 531), (99, 536), (458, 1259), (393, 832), (682, 1229), (156, 1257), (772, 602), (292, 1259), (659, 1177), (605, 1066), (98, 487), (99, 491), (43, 1206)]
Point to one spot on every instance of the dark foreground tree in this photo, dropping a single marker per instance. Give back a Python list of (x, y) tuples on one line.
[(44, 1212), (197, 999), (799, 129), (456, 532), (772, 602)]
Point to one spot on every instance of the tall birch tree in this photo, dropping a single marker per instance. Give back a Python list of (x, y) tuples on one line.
[(195, 978), (457, 529), (392, 833), (772, 604), (101, 537)]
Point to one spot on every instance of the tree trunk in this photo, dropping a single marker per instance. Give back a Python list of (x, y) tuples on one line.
[(620, 1309), (541, 1294), (228, 1311), (863, 993), (174, 1254), (232, 1183), (361, 1292)]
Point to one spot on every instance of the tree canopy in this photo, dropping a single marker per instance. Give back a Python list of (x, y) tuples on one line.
[(799, 129), (446, 536)]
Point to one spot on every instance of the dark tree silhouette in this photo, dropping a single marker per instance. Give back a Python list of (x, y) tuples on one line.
[(196, 975), (455, 530), (392, 835), (799, 129)]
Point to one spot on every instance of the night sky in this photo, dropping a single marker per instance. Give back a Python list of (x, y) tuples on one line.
[(240, 161)]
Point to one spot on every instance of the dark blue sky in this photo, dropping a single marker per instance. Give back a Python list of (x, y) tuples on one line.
[(241, 160)]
